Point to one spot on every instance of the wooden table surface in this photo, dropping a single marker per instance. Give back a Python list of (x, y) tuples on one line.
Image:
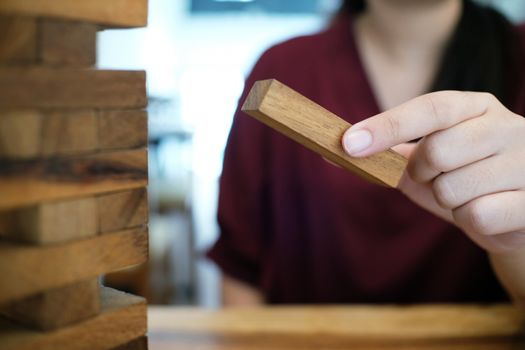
[(435, 327)]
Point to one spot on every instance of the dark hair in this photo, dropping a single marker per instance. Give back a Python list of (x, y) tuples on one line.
[(483, 54)]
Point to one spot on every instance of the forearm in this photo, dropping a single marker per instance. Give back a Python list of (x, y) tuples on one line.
[(510, 269)]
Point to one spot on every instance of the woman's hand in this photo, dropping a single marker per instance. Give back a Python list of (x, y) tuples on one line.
[(468, 168)]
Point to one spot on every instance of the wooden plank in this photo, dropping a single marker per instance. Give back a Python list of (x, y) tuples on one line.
[(122, 210), (31, 133), (123, 129), (78, 218), (123, 318), (66, 43), (46, 87), (18, 39), (339, 327), (23, 183), (57, 307), (51, 222), (20, 133), (68, 132), (29, 40), (137, 344), (299, 118), (26, 270), (127, 13)]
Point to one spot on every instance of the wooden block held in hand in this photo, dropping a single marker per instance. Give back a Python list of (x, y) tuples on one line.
[(46, 87), (67, 43), (122, 319), (121, 210), (18, 39), (299, 118), (58, 307), (27, 270), (51, 222), (119, 129), (23, 183)]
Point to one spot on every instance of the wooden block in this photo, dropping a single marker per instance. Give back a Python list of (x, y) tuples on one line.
[(28, 40), (57, 307), (122, 210), (51, 222), (123, 129), (30, 133), (127, 13), (23, 183), (67, 43), (68, 132), (122, 319), (20, 133), (44, 87), (316, 128), (26, 270), (18, 39), (458, 327), (137, 344)]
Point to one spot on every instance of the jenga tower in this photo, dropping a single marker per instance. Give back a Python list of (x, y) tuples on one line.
[(73, 171)]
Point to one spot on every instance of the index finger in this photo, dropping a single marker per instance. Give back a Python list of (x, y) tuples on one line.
[(411, 120)]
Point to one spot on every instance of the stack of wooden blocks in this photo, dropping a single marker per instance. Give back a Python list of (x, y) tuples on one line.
[(73, 171)]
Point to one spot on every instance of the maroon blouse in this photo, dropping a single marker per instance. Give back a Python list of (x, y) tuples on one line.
[(304, 231)]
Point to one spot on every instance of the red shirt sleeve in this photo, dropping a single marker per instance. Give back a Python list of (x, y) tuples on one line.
[(241, 213), (520, 103)]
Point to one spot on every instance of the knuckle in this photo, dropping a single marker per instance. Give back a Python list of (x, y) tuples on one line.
[(393, 127), (476, 216), (439, 107), (490, 98), (433, 154), (443, 192), (516, 122)]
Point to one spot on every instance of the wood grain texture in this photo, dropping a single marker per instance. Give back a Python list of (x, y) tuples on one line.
[(136, 344), (127, 13), (123, 318), (26, 270), (20, 133), (23, 183), (78, 218), (45, 41), (18, 39), (45, 87), (30, 133), (297, 117), (67, 43), (119, 129), (57, 307), (52, 222), (122, 210), (339, 327), (68, 132)]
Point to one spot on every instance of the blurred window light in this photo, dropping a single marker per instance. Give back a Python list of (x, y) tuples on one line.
[(513, 9), (264, 6)]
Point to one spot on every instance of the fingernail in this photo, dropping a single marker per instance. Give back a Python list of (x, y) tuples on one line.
[(357, 141)]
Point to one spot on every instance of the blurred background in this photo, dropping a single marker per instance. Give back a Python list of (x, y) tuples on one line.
[(196, 54)]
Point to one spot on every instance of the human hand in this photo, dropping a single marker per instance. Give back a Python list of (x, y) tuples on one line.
[(469, 166)]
